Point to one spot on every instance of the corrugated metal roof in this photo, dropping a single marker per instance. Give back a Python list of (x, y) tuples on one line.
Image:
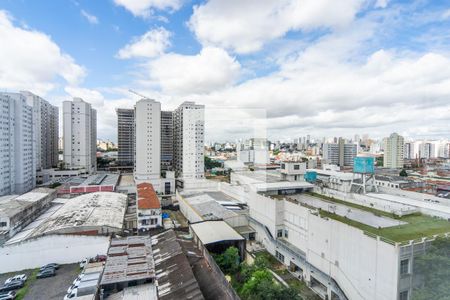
[(215, 231)]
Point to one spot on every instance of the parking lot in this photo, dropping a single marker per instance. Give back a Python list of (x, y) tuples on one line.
[(48, 288)]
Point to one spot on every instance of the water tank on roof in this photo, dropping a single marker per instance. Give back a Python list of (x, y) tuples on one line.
[(311, 176)]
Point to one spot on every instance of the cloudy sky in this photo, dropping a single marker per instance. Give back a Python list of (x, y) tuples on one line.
[(295, 67)]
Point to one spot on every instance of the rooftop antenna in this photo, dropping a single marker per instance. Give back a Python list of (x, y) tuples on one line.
[(136, 93)]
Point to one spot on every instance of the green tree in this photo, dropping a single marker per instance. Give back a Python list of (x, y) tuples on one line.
[(262, 286), (433, 270), (403, 173), (229, 260), (210, 163)]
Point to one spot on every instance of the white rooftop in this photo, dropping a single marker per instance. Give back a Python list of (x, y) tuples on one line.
[(215, 231), (406, 200), (340, 175), (94, 209)]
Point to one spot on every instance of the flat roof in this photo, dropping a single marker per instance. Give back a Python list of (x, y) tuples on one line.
[(129, 259), (207, 204), (352, 213), (282, 185), (146, 196), (88, 210), (340, 175), (101, 179), (215, 231), (11, 205), (410, 201)]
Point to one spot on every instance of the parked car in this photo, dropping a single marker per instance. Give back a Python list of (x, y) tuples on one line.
[(49, 272), (12, 286), (84, 262), (20, 277), (11, 295), (49, 266)]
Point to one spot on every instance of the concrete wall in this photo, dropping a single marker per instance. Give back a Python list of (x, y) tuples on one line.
[(188, 211), (368, 201), (364, 267), (61, 249)]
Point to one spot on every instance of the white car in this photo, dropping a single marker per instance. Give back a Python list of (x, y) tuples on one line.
[(84, 262), (21, 277), (71, 295)]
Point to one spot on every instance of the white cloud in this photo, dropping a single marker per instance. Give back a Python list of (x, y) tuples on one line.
[(211, 69), (329, 90), (93, 97), (245, 26), (31, 60), (151, 44), (143, 8), (381, 3), (90, 18), (446, 14)]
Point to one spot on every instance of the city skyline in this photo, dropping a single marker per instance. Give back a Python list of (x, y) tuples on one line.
[(336, 71)]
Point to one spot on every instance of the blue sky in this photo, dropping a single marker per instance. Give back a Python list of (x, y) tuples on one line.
[(325, 68)]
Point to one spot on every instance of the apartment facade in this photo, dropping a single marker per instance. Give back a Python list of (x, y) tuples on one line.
[(46, 124), (80, 135), (125, 136), (189, 130), (17, 144), (393, 151), (147, 167), (340, 153), (166, 140)]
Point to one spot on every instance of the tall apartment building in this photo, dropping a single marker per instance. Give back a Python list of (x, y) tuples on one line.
[(189, 130), (80, 135), (17, 146), (125, 136), (427, 150), (409, 150), (340, 153), (147, 116), (393, 151), (46, 123), (166, 140)]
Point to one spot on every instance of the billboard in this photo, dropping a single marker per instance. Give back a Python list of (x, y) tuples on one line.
[(363, 165)]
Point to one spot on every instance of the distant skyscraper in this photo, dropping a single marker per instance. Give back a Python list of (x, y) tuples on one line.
[(189, 126), (80, 135), (409, 150), (147, 118), (125, 136), (166, 140), (46, 123), (393, 151), (341, 153), (17, 145)]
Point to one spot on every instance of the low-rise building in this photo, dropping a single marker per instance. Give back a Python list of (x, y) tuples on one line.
[(16, 212), (148, 210)]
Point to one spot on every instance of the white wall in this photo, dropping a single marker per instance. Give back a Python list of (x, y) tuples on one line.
[(61, 249), (148, 140), (363, 267)]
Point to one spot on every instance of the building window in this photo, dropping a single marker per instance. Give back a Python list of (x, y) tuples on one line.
[(296, 167), (286, 233), (404, 295), (283, 166), (280, 233), (279, 256), (3, 224), (404, 267)]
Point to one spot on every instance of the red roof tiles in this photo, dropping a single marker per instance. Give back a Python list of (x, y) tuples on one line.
[(147, 198)]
